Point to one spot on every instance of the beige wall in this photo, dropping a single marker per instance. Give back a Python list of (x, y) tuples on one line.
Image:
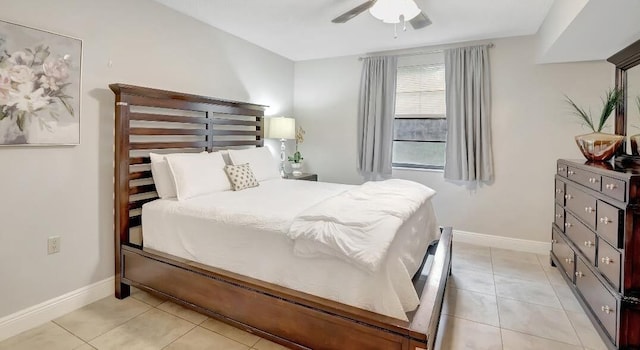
[(532, 127), (67, 191)]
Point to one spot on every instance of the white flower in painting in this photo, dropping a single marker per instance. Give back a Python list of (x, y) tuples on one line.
[(21, 74), (57, 68), (21, 58), (5, 87), (28, 100), (48, 83)]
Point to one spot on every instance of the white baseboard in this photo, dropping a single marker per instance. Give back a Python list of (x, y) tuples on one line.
[(36, 315), (492, 241)]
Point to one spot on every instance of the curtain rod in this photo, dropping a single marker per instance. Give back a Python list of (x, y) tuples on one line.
[(490, 45)]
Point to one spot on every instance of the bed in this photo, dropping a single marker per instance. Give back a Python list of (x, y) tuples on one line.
[(293, 311)]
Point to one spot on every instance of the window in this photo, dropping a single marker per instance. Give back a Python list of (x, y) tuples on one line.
[(420, 125)]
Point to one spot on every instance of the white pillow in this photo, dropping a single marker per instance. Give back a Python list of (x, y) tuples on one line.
[(162, 177), (198, 174), (262, 162), (225, 156), (241, 176)]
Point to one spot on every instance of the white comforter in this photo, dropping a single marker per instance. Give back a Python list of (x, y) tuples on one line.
[(358, 225), (246, 232)]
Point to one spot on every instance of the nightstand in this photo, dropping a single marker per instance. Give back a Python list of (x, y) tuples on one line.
[(303, 176)]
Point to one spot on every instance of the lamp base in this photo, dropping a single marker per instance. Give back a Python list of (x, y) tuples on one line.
[(283, 148)]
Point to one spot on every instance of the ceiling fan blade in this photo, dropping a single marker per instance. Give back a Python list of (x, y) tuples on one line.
[(354, 12), (420, 21)]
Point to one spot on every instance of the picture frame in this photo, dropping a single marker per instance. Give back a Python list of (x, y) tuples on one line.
[(40, 87)]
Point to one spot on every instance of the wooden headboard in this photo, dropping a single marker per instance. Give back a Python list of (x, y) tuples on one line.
[(150, 120)]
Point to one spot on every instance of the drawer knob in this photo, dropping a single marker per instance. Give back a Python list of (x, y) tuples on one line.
[(589, 210), (593, 180), (568, 260), (610, 186), (607, 260), (571, 172), (568, 196), (554, 241), (568, 224), (605, 220), (560, 169), (558, 216), (588, 244), (579, 274), (606, 309), (559, 190)]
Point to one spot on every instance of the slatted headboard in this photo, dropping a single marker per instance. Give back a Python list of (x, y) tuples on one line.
[(150, 120)]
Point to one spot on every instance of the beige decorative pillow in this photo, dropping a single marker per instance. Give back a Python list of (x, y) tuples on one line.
[(241, 176)]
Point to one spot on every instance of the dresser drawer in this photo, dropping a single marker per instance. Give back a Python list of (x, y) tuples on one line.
[(581, 236), (585, 178), (581, 204), (609, 263), (559, 217), (562, 169), (598, 298), (614, 188), (609, 223), (564, 253), (560, 192)]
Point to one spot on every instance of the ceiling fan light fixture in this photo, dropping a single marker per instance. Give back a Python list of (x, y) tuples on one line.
[(391, 11)]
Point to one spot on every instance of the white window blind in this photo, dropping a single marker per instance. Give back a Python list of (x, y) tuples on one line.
[(420, 126), (420, 91)]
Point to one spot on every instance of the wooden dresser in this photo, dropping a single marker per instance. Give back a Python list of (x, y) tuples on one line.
[(596, 243)]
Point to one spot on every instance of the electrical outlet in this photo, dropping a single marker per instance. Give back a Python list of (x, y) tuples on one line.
[(53, 245)]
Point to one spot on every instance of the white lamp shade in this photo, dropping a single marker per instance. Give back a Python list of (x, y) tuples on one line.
[(282, 128), (389, 11)]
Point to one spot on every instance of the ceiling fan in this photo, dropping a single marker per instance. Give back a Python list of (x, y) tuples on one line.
[(389, 11)]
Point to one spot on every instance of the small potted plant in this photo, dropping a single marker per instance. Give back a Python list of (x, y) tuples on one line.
[(598, 146), (296, 159)]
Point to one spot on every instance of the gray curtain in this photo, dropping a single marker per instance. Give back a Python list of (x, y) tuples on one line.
[(468, 90), (376, 108)]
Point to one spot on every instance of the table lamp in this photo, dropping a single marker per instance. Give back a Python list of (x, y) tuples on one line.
[(282, 128)]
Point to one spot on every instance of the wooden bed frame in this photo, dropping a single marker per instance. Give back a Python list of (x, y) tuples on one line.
[(291, 318)]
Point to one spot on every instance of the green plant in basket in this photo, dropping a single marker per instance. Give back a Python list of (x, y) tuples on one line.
[(598, 146), (297, 156), (612, 98)]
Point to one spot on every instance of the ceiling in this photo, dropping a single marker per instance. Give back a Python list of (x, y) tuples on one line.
[(585, 30), (302, 29)]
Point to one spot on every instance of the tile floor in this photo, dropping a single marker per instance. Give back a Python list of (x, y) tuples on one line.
[(503, 299), (496, 299)]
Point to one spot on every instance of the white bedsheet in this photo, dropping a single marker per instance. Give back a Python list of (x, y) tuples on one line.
[(246, 232)]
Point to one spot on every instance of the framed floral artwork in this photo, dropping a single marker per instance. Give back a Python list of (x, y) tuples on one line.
[(40, 82)]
